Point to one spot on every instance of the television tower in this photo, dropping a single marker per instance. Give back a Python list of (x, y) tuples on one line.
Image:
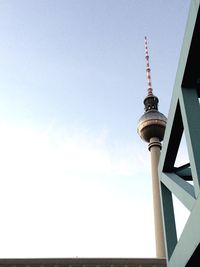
[(151, 127)]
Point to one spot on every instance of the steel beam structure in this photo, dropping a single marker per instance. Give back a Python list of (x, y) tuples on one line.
[(184, 116)]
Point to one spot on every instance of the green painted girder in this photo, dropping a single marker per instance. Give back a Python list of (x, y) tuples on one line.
[(184, 116), (180, 188), (184, 172)]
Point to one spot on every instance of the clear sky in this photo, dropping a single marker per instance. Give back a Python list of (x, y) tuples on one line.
[(75, 177)]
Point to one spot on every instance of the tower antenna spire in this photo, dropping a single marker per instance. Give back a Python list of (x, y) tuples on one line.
[(148, 70)]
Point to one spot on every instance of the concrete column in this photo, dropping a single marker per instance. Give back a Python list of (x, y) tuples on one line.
[(154, 148)]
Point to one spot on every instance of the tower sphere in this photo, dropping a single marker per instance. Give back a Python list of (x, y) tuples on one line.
[(152, 124)]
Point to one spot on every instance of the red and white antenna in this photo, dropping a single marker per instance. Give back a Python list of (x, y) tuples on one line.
[(148, 70)]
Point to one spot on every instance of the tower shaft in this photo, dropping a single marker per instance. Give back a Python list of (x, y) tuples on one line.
[(151, 127), (154, 147)]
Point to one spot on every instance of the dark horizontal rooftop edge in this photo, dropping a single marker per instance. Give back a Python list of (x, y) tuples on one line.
[(62, 262)]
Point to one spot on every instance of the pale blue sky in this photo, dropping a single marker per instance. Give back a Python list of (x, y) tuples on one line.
[(75, 176)]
